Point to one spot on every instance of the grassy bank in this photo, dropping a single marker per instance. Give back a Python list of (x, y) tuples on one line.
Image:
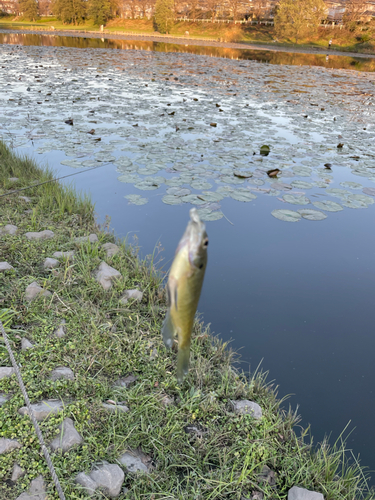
[(223, 458), (360, 41)]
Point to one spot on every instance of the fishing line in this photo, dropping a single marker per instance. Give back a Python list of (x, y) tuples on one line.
[(52, 180), (31, 414)]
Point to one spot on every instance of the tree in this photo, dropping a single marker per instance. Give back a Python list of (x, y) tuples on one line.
[(100, 11), (299, 18), (29, 9), (164, 15), (260, 9), (234, 6), (354, 10), (211, 6), (70, 11)]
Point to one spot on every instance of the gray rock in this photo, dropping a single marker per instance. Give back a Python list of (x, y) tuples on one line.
[(68, 436), (8, 445), (41, 235), (132, 460), (92, 238), (88, 485), (247, 407), (64, 255), (43, 409), (6, 371), (26, 344), (8, 229), (115, 408), (34, 290), (4, 266), (105, 274), (125, 381), (131, 294), (17, 473), (4, 398), (297, 493), (267, 476), (166, 400), (61, 330), (111, 249), (37, 490), (108, 478), (62, 372), (13, 179), (26, 199), (50, 263)]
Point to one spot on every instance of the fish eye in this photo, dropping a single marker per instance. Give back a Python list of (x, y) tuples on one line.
[(201, 266), (205, 243)]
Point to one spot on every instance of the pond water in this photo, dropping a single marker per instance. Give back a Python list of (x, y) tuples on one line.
[(291, 276)]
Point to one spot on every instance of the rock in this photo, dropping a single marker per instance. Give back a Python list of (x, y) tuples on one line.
[(26, 199), (166, 400), (8, 445), (257, 495), (125, 381), (115, 408), (64, 255), (6, 371), (108, 478), (26, 344), (68, 436), (61, 330), (267, 476), (297, 493), (43, 409), (13, 179), (17, 473), (105, 274), (4, 398), (34, 290), (41, 235), (50, 263), (111, 249), (134, 461), (87, 483), (4, 266), (131, 294), (247, 407), (92, 238), (37, 490), (196, 430), (8, 229), (62, 372)]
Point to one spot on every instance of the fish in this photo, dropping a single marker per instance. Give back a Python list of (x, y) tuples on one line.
[(184, 287)]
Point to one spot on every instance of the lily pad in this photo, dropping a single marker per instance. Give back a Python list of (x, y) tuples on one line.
[(328, 205), (243, 196), (243, 174), (212, 216), (177, 191), (362, 198), (200, 184), (302, 185), (295, 199), (170, 199), (286, 215), (211, 196), (370, 191), (354, 203), (136, 199), (265, 150), (129, 178), (192, 198), (310, 214), (353, 185)]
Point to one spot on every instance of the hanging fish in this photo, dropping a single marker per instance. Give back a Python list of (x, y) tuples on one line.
[(184, 288)]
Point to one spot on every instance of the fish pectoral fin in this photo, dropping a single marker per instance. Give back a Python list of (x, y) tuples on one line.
[(168, 330), (182, 363)]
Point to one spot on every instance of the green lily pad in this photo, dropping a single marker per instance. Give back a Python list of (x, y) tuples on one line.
[(296, 199), (302, 185), (175, 182), (229, 179), (178, 191), (265, 150), (243, 196), (370, 191), (243, 174), (210, 196), (362, 198), (148, 170), (354, 203), (192, 198), (200, 184), (312, 214), (212, 216), (129, 178), (136, 199), (170, 199), (328, 206), (286, 215), (349, 184)]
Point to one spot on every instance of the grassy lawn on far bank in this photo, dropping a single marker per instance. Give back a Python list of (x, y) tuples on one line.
[(361, 41), (193, 442)]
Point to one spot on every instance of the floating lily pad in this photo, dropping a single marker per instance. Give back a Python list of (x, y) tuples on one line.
[(192, 198), (129, 178), (286, 215), (200, 184), (175, 181), (211, 196), (354, 203), (243, 174), (349, 184), (243, 196), (151, 170), (362, 198), (328, 205), (302, 171), (136, 199), (296, 199), (310, 214), (370, 191), (265, 150), (177, 191), (302, 185), (229, 179), (170, 199), (212, 216)]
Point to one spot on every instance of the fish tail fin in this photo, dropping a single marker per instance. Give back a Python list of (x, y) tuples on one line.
[(168, 331), (183, 363)]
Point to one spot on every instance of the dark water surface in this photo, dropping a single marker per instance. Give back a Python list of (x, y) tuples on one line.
[(299, 298), (265, 56)]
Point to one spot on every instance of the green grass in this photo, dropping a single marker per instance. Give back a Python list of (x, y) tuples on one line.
[(106, 340)]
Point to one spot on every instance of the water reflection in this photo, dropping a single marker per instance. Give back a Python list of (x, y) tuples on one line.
[(263, 56)]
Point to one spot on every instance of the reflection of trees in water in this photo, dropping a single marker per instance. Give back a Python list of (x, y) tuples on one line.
[(265, 56)]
